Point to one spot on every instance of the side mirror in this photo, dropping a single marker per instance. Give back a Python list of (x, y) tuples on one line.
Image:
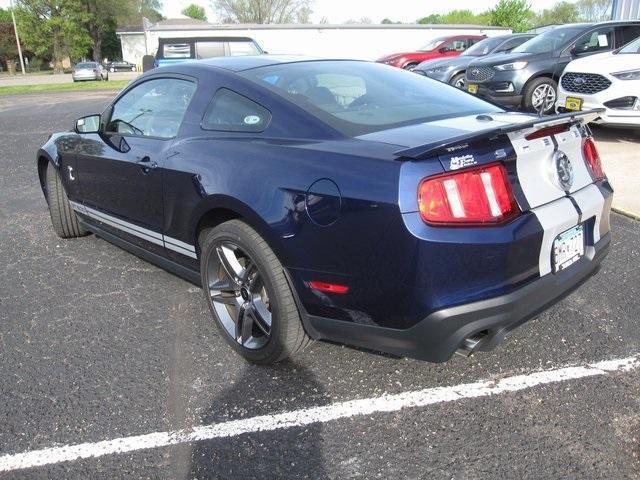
[(88, 124)]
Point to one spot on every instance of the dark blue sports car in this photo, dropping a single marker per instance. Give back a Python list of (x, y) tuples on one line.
[(338, 200)]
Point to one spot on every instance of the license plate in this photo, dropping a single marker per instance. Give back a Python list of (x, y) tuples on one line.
[(472, 88), (573, 103), (568, 247)]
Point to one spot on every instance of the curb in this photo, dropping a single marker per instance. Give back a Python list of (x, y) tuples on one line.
[(626, 213)]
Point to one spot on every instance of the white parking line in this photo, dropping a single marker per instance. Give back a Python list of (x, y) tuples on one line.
[(306, 416)]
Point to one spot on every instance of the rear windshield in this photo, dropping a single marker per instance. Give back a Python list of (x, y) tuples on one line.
[(86, 65), (550, 40), (356, 98)]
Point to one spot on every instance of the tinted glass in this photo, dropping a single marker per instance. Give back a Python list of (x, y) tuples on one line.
[(209, 49), (229, 111), (86, 65), (243, 48), (153, 109), (599, 40), (633, 47), (511, 44), (360, 97), (628, 33), (550, 40), (483, 47), (176, 50)]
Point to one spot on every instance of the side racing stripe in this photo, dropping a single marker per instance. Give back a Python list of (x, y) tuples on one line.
[(148, 235)]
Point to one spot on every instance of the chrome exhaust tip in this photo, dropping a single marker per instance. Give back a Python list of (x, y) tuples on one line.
[(469, 345)]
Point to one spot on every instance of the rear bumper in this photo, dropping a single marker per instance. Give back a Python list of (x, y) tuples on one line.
[(439, 335)]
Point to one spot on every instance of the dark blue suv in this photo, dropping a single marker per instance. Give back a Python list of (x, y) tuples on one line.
[(527, 77)]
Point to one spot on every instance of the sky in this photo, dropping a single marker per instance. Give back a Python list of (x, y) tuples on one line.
[(339, 11)]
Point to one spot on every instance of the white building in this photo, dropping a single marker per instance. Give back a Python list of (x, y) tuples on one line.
[(366, 42)]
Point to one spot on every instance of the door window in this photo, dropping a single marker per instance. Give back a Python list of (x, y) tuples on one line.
[(209, 49), (176, 50), (599, 40), (628, 33), (243, 48), (152, 109), (231, 112)]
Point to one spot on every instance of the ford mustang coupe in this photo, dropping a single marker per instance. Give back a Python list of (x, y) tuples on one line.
[(339, 200)]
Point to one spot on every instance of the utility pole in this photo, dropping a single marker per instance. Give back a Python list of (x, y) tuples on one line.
[(15, 29)]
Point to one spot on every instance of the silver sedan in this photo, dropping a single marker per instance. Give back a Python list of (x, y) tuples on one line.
[(89, 71)]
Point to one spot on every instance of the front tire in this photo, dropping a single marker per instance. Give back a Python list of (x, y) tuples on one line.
[(63, 218), (539, 90), (248, 294), (458, 81)]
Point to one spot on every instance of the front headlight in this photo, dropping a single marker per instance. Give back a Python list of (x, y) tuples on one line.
[(512, 66), (627, 75)]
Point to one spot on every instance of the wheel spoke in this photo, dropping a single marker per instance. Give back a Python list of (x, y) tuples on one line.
[(262, 317), (244, 324), (247, 271), (229, 262)]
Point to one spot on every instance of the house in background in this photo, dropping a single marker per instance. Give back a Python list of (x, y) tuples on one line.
[(366, 42)]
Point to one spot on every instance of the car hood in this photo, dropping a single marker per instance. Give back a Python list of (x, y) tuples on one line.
[(460, 61), (500, 58), (441, 130), (395, 56), (605, 63)]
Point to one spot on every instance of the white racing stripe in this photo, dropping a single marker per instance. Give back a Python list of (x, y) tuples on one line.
[(135, 230), (307, 416)]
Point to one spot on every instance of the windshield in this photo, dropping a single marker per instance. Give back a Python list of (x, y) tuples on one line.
[(483, 47), (550, 40), (633, 47), (432, 44), (356, 98), (86, 65)]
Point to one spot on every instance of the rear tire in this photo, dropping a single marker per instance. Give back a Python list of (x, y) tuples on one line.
[(266, 285), (531, 99), (63, 218)]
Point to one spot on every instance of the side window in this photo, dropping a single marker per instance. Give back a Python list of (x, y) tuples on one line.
[(152, 109), (231, 112), (242, 48), (176, 50), (209, 49), (511, 44), (473, 41), (599, 40), (628, 33), (458, 45)]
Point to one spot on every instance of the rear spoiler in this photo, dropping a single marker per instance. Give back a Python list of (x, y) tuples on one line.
[(456, 143)]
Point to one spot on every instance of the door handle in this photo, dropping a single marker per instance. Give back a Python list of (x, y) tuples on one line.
[(147, 164)]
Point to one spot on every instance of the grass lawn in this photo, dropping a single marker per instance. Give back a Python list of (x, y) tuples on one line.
[(63, 87)]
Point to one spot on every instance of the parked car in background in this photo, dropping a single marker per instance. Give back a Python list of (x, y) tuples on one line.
[(452, 70), (448, 46), (89, 71), (608, 80), (120, 66), (339, 200), (178, 50), (527, 77)]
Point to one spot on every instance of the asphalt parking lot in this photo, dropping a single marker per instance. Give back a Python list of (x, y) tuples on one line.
[(112, 368)]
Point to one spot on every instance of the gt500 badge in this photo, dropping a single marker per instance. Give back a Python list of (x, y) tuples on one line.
[(461, 162)]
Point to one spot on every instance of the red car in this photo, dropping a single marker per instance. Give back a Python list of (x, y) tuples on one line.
[(437, 48)]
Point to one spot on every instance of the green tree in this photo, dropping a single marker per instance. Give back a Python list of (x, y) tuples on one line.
[(514, 14), (53, 29), (5, 15), (457, 17), (263, 11), (594, 10), (561, 12), (195, 11), (8, 48)]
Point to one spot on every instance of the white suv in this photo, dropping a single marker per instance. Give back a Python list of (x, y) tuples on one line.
[(610, 80)]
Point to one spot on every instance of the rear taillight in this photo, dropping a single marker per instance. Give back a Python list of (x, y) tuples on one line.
[(95, 70), (592, 157), (477, 196)]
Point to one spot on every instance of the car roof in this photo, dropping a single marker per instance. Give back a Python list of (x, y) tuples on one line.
[(247, 62)]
